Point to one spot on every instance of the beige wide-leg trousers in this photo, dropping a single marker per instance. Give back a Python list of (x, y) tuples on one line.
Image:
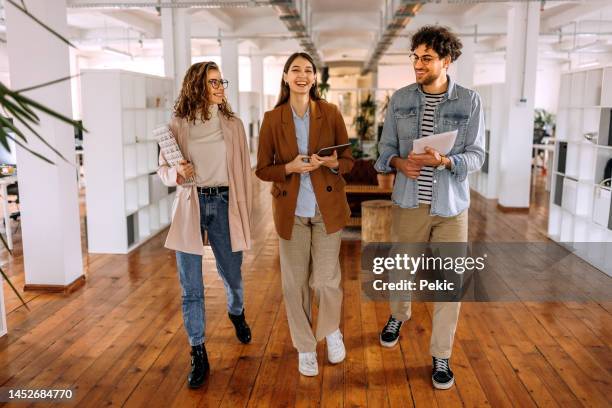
[(309, 261), (416, 225)]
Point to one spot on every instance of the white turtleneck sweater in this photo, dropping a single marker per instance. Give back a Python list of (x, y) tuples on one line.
[(207, 151)]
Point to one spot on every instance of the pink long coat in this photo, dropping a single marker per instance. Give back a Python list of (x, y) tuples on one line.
[(184, 234)]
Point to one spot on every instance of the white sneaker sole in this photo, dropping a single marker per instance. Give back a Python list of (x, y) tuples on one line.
[(444, 386), (388, 344), (339, 360), (309, 374)]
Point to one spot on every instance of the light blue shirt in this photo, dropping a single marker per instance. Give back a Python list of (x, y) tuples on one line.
[(306, 200), (461, 110)]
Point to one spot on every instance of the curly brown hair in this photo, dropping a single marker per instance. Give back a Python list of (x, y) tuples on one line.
[(193, 100), (438, 38)]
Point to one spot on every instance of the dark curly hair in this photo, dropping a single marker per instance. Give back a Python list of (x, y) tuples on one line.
[(438, 38)]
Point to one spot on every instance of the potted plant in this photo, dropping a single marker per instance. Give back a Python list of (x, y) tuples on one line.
[(385, 180), (543, 124), (324, 85)]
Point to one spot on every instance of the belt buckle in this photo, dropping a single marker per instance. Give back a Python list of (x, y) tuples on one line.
[(216, 190)]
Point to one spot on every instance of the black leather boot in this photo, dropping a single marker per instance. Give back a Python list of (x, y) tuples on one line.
[(199, 366), (243, 332)]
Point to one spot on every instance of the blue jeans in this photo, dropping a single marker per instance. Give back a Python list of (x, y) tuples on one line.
[(214, 219)]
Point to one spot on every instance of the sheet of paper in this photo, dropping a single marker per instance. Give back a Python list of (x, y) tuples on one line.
[(442, 142)]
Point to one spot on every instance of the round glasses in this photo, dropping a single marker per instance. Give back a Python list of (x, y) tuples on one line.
[(425, 59), (215, 83)]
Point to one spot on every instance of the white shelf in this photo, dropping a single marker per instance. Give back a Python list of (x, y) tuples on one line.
[(130, 162), (154, 221), (141, 125), (141, 158), (131, 196), (581, 222), (144, 228), (593, 85), (3, 327), (577, 89), (143, 191), (121, 109), (129, 127), (606, 90)]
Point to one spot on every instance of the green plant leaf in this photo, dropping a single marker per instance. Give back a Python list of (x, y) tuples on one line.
[(6, 278), (26, 148), (55, 81), (31, 129)]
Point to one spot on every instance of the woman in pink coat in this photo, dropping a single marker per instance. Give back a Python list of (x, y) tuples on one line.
[(212, 140)]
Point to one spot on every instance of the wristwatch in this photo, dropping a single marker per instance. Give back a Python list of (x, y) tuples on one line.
[(441, 166)]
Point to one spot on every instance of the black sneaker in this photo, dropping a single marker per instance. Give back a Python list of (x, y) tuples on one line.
[(390, 333), (441, 374)]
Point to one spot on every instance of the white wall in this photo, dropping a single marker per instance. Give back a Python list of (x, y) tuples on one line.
[(273, 72), (395, 76), (4, 65), (146, 65), (548, 82)]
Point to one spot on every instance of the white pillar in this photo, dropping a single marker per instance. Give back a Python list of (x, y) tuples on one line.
[(176, 35), (521, 67), (465, 63), (48, 194), (257, 82), (229, 68)]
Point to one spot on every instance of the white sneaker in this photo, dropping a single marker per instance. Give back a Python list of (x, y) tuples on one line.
[(335, 347), (308, 364)]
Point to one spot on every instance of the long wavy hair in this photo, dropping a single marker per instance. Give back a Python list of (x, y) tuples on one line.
[(285, 92), (193, 103)]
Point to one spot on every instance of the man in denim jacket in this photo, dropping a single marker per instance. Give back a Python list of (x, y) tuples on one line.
[(431, 192)]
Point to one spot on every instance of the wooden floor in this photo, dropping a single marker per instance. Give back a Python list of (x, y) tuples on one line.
[(119, 340)]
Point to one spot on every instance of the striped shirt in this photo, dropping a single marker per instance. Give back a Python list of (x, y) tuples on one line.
[(425, 179)]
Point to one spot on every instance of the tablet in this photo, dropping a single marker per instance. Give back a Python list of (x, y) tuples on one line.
[(328, 151)]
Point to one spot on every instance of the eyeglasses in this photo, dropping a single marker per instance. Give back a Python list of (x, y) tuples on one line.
[(216, 82), (425, 59)]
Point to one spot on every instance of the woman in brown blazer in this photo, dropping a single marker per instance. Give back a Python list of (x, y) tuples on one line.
[(309, 206)]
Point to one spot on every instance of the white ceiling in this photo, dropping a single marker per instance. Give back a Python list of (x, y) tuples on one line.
[(342, 30)]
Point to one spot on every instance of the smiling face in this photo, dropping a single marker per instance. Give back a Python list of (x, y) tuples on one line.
[(300, 76), (216, 96), (429, 71)]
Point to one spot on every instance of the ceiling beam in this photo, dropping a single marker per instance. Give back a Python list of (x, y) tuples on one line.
[(218, 18), (297, 22), (567, 15), (129, 19), (392, 26)]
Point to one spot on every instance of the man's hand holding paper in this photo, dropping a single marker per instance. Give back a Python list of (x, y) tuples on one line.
[(428, 151)]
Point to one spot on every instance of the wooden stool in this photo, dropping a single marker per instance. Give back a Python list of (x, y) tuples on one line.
[(376, 221)]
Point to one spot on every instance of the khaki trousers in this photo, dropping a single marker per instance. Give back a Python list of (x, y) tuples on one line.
[(309, 261), (415, 225)]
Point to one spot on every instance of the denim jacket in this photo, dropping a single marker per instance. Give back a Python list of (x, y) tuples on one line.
[(459, 109)]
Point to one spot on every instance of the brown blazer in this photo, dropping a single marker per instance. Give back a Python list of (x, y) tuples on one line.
[(278, 146)]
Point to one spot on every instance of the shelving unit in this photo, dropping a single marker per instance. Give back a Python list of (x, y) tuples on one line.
[(3, 328), (485, 181), (580, 216), (126, 201)]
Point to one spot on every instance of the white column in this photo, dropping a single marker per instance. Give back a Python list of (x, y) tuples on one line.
[(176, 35), (521, 67), (257, 82), (48, 193), (465, 63), (229, 68)]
